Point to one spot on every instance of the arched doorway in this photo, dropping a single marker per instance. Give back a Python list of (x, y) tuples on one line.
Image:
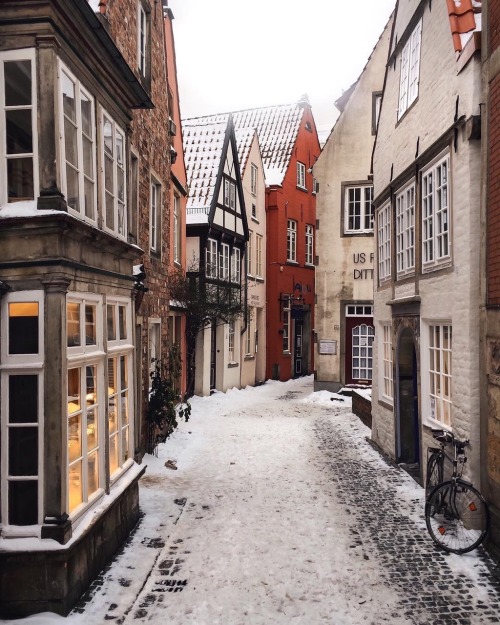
[(408, 431)]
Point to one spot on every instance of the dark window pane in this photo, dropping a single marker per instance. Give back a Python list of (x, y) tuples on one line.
[(20, 179), (19, 131), (23, 399), (17, 83), (23, 451), (23, 328), (23, 503), (122, 311)]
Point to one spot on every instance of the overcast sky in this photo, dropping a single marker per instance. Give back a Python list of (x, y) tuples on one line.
[(237, 54)]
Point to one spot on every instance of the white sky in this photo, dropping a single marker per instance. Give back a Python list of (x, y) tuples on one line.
[(233, 55)]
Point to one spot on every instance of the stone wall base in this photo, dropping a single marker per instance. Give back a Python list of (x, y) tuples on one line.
[(53, 581), (362, 408)]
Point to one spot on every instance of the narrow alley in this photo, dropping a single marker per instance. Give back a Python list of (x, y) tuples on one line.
[(281, 511)]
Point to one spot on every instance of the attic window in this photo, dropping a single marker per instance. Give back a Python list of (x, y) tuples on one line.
[(308, 126)]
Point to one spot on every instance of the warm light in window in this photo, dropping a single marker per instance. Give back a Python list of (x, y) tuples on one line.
[(23, 309)]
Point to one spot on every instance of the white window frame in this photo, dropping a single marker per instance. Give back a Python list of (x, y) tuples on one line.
[(301, 175), (21, 364), (410, 70), (155, 201), (287, 310), (386, 363), (253, 178), (224, 261), (291, 240), (119, 226), (142, 39), (231, 341), (177, 228), (25, 54), (405, 230), (259, 240), (154, 344), (250, 253), (436, 214), (384, 243), (437, 382), (236, 265), (249, 332), (211, 264), (358, 206), (83, 176), (229, 194), (362, 352), (309, 244)]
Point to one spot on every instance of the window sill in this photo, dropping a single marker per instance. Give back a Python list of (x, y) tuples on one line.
[(401, 277), (434, 424), (386, 403), (443, 264), (310, 265), (303, 189), (249, 357), (254, 219), (259, 279), (292, 262), (358, 233), (233, 365)]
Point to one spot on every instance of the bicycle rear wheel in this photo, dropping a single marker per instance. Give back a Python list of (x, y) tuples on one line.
[(434, 474), (457, 517)]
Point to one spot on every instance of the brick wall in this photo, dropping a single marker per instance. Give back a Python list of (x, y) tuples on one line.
[(362, 408), (494, 24)]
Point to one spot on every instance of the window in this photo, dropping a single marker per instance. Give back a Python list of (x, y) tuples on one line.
[(387, 385), (21, 408), (155, 216), (154, 345), (249, 253), (359, 310), (249, 332), (18, 126), (301, 175), (362, 352), (410, 68), (405, 230), (358, 209), (177, 228), (435, 214), (133, 216), (254, 211), (286, 323), (143, 61), (230, 341), (236, 265), (258, 255), (229, 194), (115, 216), (384, 243), (291, 241), (376, 104), (440, 343), (253, 179), (78, 146), (211, 259), (224, 262), (309, 245)]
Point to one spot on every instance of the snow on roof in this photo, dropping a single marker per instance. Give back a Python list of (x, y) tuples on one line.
[(277, 128), (203, 143)]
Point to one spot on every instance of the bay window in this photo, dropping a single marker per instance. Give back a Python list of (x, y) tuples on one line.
[(436, 208), (21, 408), (211, 259), (77, 130), (236, 265), (113, 154), (18, 126), (384, 243), (405, 230), (224, 262)]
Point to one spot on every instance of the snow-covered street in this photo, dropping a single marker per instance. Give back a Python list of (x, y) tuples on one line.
[(281, 511)]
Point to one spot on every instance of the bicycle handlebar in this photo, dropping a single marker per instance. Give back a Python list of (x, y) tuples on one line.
[(444, 437)]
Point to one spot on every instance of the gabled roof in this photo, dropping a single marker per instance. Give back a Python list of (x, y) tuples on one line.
[(277, 128), (203, 147)]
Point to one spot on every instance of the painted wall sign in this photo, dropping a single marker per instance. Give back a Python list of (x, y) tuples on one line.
[(360, 259)]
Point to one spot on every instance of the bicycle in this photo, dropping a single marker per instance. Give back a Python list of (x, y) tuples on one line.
[(456, 514)]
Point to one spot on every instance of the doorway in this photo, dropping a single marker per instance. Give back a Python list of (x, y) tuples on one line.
[(408, 432), (298, 348), (213, 354)]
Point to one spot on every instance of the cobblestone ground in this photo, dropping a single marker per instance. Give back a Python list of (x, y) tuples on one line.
[(432, 590), (378, 512)]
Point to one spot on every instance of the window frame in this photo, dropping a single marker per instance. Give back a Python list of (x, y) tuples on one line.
[(23, 54), (117, 201), (211, 259), (301, 176), (224, 262), (81, 135), (410, 70), (444, 402), (366, 209), (291, 241), (259, 241), (386, 360), (405, 230), (384, 243), (309, 245), (229, 194), (19, 365), (144, 44), (254, 171), (231, 341), (250, 253), (287, 310), (236, 265), (177, 228), (430, 220), (155, 201)]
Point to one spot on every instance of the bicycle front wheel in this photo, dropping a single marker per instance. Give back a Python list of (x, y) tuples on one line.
[(457, 517), (434, 474)]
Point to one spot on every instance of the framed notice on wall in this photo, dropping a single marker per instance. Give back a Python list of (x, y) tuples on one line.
[(327, 346)]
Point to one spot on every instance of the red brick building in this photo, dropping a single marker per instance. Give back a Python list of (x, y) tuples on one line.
[(490, 407)]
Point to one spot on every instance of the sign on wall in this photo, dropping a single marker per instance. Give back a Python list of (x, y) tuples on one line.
[(327, 346)]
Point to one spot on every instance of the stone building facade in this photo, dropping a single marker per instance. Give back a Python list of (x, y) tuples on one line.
[(344, 242), (427, 173)]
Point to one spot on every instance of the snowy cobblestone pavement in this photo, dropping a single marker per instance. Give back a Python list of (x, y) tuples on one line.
[(281, 512)]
